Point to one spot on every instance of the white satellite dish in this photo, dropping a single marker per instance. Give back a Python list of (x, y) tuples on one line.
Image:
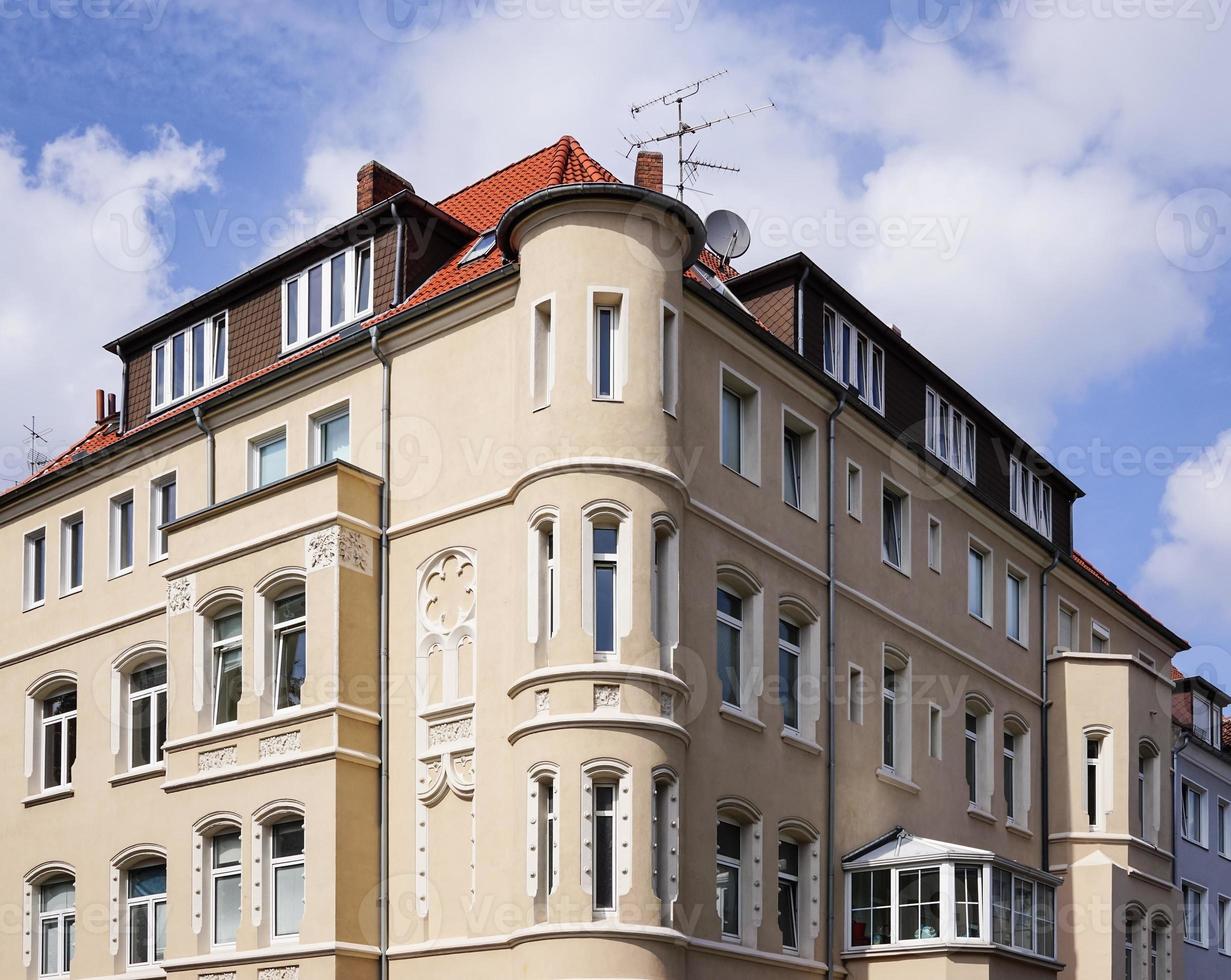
[(727, 234)]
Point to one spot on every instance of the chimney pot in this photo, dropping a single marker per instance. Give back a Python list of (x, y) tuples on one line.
[(649, 172), (376, 183), (111, 409), (98, 405)]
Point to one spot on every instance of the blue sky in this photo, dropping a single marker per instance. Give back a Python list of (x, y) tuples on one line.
[(1066, 143)]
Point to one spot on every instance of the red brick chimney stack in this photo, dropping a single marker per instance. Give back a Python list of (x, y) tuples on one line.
[(375, 183), (649, 173)]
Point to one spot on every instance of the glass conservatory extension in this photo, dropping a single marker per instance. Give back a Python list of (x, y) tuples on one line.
[(907, 893)]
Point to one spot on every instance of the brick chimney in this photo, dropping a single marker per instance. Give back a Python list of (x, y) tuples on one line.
[(375, 183), (649, 173)]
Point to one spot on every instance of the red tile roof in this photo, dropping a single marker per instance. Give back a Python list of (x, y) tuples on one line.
[(1090, 569)]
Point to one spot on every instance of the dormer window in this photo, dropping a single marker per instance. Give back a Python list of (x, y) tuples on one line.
[(480, 248), (854, 359), (189, 361), (1029, 497), (1203, 714), (950, 435), (327, 296)]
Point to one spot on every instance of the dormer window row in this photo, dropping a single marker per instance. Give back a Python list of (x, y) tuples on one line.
[(853, 358), (329, 295), (1029, 497), (189, 361)]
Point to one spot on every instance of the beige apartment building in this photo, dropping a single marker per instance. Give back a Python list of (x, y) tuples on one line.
[(504, 587)]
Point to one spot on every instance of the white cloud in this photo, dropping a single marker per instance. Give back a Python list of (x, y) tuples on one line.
[(86, 227), (1190, 565)]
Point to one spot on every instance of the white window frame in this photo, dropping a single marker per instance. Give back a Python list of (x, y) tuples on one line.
[(854, 503), (1013, 574), (255, 445), (951, 435), (855, 694), (1201, 812), (888, 487), (794, 650), (829, 342), (897, 703), (606, 560), (737, 582), (1148, 799), (614, 298), (1064, 609), (665, 587), (1204, 733), (1030, 498), (735, 864), (1224, 828), (543, 832), (749, 396), (63, 919), (218, 647), (1201, 923), (665, 838), (158, 543), (151, 904), (543, 581), (214, 328), (217, 874), (482, 246), (804, 435), (67, 587), (1101, 769), (974, 545), (935, 731), (64, 720), (542, 351), (607, 513), (1017, 815), (153, 695), (116, 533), (279, 629), (855, 354), (935, 543), (278, 863), (317, 423), (797, 880), (32, 598), (1099, 632), (618, 775), (1224, 925), (669, 357), (350, 296), (984, 788)]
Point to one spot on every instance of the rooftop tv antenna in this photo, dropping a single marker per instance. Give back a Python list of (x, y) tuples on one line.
[(35, 439), (689, 165)]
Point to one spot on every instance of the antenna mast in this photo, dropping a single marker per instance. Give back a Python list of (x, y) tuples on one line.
[(687, 163), (34, 440)]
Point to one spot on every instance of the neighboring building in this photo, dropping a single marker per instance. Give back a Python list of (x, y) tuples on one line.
[(656, 556), (1202, 779)]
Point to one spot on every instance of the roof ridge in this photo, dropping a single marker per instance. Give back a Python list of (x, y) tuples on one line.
[(495, 173)]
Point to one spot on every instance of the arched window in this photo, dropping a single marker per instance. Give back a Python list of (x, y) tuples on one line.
[(139, 707), (738, 870), (1097, 788), (665, 587), (1148, 815), (1017, 767), (51, 733), (218, 878), (218, 681), (280, 655), (139, 904), (798, 876), (799, 669), (1159, 953), (980, 771), (606, 833), (607, 576), (279, 845), (665, 841), (738, 639), (50, 911), (543, 581), (542, 833), (896, 698)]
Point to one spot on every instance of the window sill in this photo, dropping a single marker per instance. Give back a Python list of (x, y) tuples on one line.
[(799, 742), (607, 401), (323, 334), (855, 517), (120, 574), (1195, 943), (72, 592), (159, 558), (742, 475), (800, 511), (138, 775), (1016, 828), (978, 813), (170, 403), (1196, 843), (34, 606), (1024, 644), (980, 619), (48, 795), (904, 572), (896, 781), (731, 714)]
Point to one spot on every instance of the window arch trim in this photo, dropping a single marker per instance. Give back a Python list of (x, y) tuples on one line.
[(36, 877)]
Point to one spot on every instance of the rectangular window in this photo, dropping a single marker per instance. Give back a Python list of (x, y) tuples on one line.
[(331, 436), (972, 758), (290, 645), (1015, 606), (871, 908), (862, 366), (288, 870), (895, 528), (918, 904), (1029, 497), (732, 437), (72, 553), (950, 435), (1194, 914), (1100, 638), (1224, 828), (889, 695), (330, 294), (228, 667), (35, 569), (977, 598), (544, 355), (1192, 806), (730, 631), (788, 894), (268, 460), (1002, 907), (1224, 924), (1023, 913), (57, 927), (1066, 627), (189, 361), (147, 915), (934, 544), (1094, 758), (121, 534), (604, 846), (670, 380), (1203, 723), (934, 731), (788, 673), (739, 416), (147, 714), (548, 831), (162, 512), (854, 705), (606, 323), (967, 886), (792, 469), (59, 739), (225, 875), (604, 544), (854, 490), (1010, 775), (829, 341), (728, 875)]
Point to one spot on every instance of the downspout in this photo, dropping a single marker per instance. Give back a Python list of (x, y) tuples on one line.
[(198, 416), (799, 311), (399, 259), (1044, 709), (383, 656), (1180, 745), (123, 394), (831, 765)]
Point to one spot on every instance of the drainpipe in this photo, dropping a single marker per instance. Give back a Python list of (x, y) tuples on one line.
[(799, 311), (120, 422), (831, 770), (1045, 708), (1180, 745), (383, 586), (198, 416), (398, 262)]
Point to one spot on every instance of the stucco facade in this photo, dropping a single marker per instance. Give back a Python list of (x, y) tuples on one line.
[(538, 526)]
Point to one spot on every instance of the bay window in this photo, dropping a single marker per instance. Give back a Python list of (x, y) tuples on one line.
[(327, 296), (189, 361)]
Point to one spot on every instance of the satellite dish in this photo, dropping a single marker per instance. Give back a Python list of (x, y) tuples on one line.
[(727, 234)]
